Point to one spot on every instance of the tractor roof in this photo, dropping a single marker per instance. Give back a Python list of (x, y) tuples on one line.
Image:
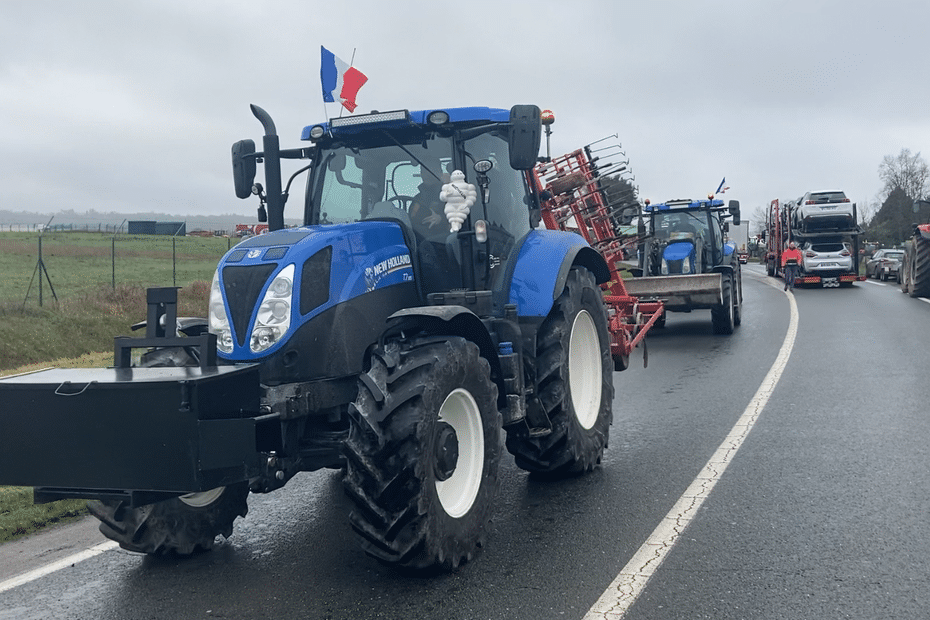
[(684, 204), (404, 118)]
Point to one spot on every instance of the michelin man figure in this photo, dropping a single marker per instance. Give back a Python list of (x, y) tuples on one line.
[(459, 196)]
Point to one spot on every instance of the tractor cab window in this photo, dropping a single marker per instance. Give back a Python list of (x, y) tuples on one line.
[(352, 184), (506, 208), (502, 203)]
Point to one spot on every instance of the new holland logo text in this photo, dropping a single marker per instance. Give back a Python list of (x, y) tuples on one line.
[(374, 274)]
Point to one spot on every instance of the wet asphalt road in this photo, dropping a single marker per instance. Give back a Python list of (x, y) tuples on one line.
[(820, 515)]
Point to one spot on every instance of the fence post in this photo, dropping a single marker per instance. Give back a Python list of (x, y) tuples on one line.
[(174, 269), (113, 259)]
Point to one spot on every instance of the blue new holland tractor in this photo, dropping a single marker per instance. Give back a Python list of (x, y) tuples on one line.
[(686, 262), (377, 338)]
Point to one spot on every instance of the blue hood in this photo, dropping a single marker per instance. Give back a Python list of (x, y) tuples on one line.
[(678, 251), (333, 264)]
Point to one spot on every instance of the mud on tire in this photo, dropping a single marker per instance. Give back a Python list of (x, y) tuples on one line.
[(423, 453), (179, 525), (575, 383)]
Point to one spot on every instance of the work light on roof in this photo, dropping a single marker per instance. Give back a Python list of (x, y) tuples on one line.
[(316, 132), (365, 119), (439, 117)]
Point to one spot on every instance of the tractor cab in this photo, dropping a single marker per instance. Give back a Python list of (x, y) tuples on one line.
[(686, 237), (394, 166)]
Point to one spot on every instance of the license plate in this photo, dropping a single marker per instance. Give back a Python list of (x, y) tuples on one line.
[(827, 208), (828, 265)]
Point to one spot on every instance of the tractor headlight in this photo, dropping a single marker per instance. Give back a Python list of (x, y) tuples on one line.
[(219, 320), (664, 267), (686, 265), (274, 314)]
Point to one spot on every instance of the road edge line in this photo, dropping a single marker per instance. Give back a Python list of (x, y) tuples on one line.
[(42, 571)]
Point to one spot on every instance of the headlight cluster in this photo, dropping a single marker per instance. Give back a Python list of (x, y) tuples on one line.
[(664, 267), (274, 313), (219, 320)]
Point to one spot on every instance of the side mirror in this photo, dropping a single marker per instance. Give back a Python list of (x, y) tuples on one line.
[(243, 162), (525, 136), (734, 210)]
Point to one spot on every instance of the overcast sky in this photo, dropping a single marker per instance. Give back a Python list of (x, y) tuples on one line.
[(132, 106)]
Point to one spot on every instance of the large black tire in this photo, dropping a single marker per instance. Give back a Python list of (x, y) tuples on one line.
[(181, 525), (738, 298), (423, 453), (920, 274), (905, 277), (575, 386), (722, 317)]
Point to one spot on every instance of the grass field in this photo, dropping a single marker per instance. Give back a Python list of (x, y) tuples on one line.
[(77, 330), (89, 310), (77, 263)]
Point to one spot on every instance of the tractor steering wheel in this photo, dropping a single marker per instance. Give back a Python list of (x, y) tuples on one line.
[(403, 201)]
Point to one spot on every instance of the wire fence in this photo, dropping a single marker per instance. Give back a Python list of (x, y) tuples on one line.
[(40, 267)]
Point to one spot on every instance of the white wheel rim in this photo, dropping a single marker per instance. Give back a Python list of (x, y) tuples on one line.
[(457, 493), (204, 498), (584, 369)]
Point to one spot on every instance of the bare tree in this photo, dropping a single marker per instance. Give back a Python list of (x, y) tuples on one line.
[(907, 172)]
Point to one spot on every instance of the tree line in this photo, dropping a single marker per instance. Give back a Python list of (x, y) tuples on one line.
[(906, 179)]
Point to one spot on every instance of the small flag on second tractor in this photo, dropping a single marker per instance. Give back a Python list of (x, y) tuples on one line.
[(341, 81)]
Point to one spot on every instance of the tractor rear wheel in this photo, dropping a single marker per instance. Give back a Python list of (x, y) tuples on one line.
[(423, 453), (738, 299), (180, 525), (723, 317), (574, 375), (920, 272)]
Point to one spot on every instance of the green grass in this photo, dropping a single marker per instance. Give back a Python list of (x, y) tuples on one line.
[(76, 263), (19, 516), (89, 311)]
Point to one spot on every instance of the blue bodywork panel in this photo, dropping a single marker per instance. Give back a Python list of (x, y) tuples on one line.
[(366, 256), (678, 251), (728, 248), (539, 263)]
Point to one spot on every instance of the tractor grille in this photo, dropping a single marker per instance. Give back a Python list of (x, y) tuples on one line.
[(243, 286)]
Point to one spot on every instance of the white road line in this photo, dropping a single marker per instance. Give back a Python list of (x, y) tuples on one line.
[(48, 569), (630, 583)]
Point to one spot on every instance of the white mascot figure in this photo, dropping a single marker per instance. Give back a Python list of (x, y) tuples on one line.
[(459, 196)]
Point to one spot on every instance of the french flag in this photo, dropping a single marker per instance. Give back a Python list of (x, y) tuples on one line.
[(340, 81)]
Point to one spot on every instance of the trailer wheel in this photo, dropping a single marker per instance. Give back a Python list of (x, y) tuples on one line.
[(920, 272), (423, 453), (575, 384), (180, 525), (722, 317)]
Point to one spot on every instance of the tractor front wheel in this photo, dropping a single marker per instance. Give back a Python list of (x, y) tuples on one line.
[(180, 525), (423, 453)]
